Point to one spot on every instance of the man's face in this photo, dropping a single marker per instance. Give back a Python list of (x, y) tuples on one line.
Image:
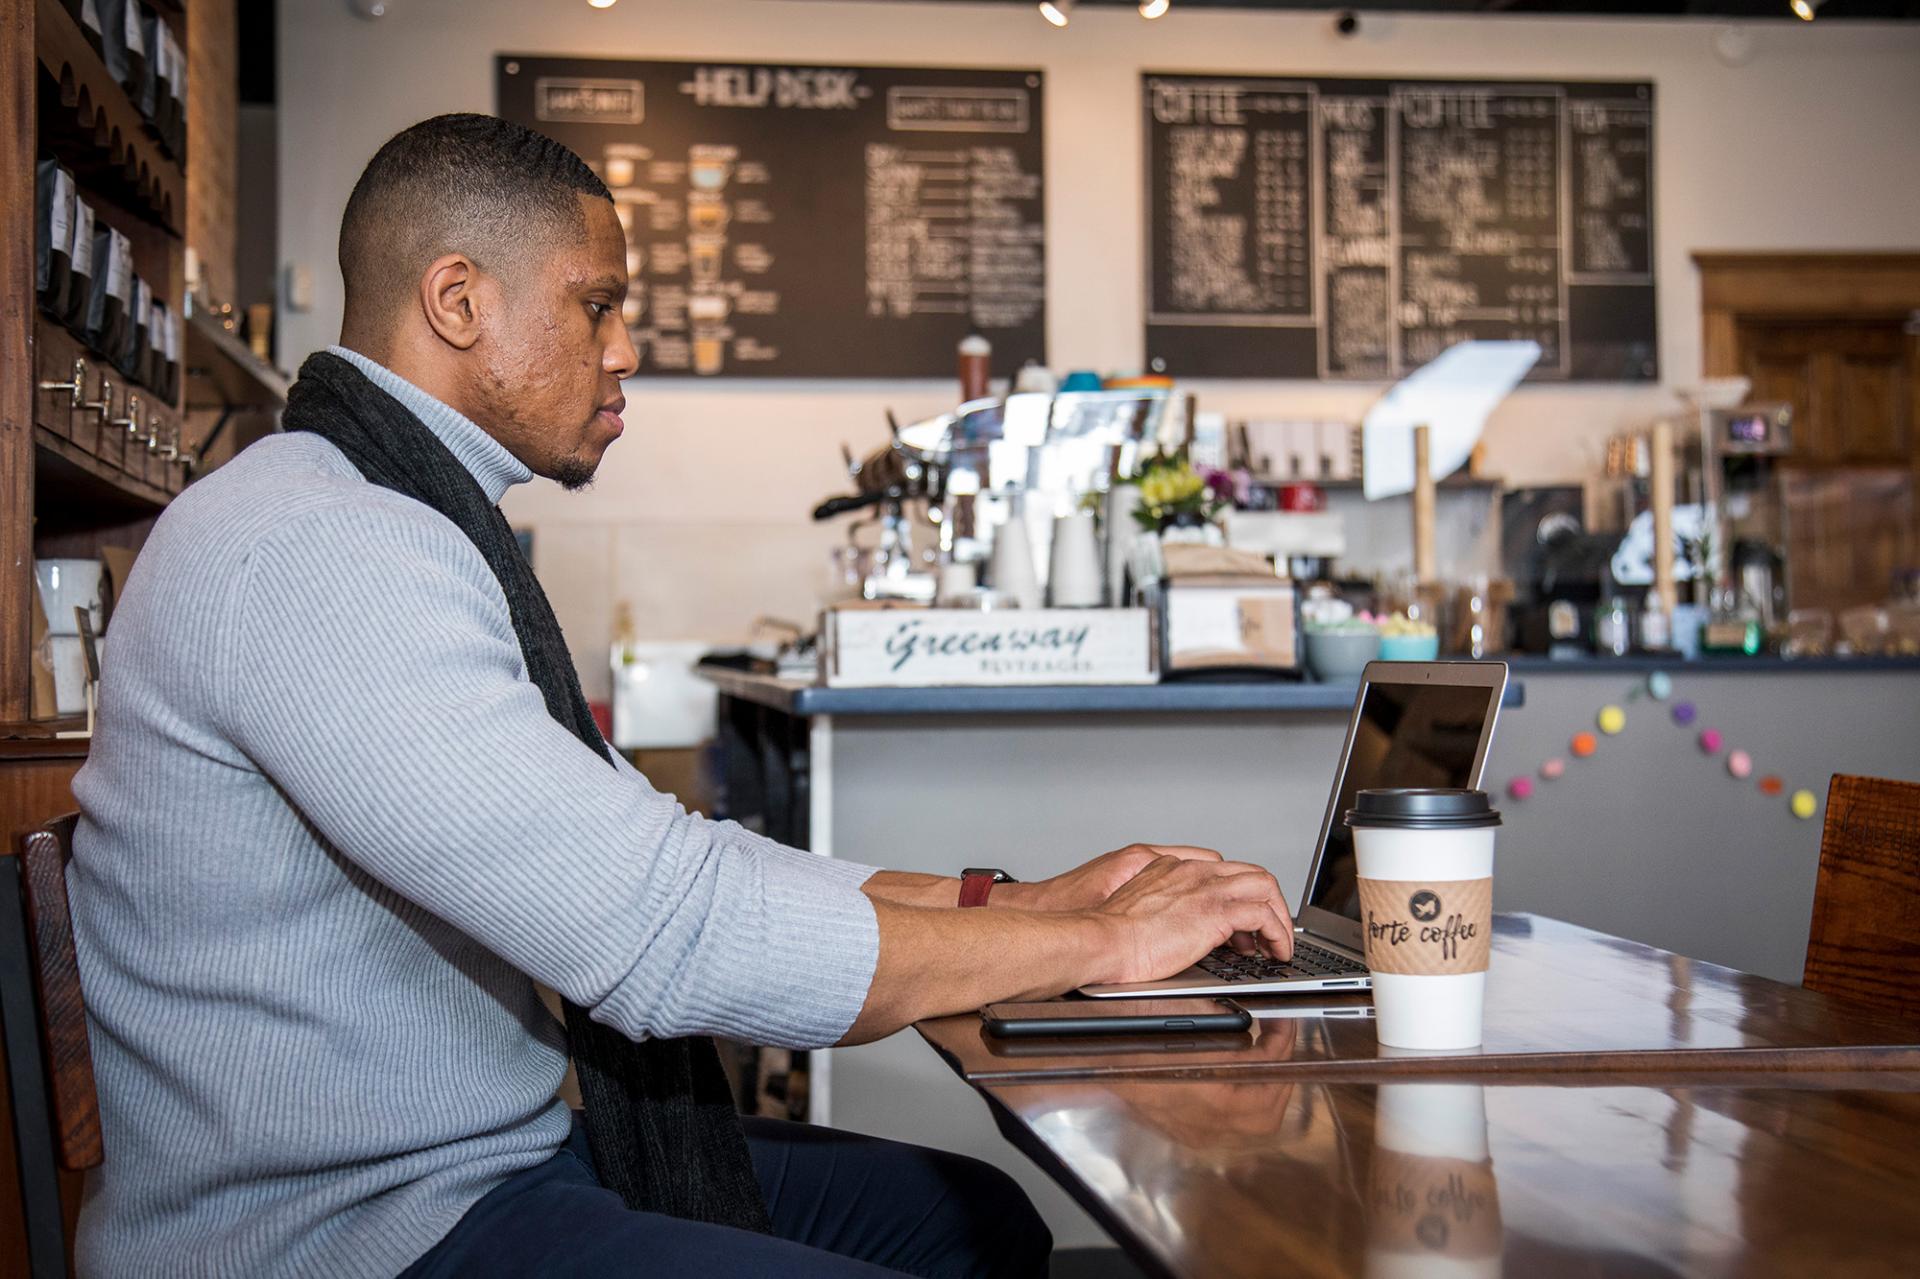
[(554, 357)]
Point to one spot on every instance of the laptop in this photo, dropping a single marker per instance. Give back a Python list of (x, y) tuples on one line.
[(1425, 724)]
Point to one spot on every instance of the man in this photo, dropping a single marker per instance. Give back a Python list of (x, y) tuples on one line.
[(345, 808)]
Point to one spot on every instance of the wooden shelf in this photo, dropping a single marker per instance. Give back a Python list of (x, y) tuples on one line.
[(108, 451), (68, 476), (89, 123), (222, 373)]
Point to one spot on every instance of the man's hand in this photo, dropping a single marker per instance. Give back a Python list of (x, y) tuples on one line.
[(1091, 883), (1167, 913), (1174, 910)]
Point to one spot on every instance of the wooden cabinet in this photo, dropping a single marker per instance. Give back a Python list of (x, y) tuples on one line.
[(1850, 383)]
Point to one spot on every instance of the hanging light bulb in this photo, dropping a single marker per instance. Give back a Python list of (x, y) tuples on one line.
[(1805, 9), (1056, 11), (1154, 8)]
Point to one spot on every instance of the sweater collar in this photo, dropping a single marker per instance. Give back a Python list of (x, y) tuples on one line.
[(485, 458)]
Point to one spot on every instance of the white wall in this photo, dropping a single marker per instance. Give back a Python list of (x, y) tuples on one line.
[(700, 514)]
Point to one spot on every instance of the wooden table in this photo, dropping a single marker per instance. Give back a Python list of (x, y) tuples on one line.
[(1559, 998), (1632, 1113), (1268, 1177)]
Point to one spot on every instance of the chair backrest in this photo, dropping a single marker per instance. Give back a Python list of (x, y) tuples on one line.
[(44, 854), (1864, 943)]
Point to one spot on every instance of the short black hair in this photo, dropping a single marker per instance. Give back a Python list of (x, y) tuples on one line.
[(473, 184)]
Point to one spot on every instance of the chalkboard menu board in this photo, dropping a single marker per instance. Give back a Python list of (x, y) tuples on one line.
[(802, 221), (1355, 229)]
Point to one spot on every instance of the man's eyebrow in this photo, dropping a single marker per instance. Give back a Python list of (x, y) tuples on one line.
[(608, 281)]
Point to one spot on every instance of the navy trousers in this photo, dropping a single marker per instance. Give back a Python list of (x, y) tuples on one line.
[(844, 1206)]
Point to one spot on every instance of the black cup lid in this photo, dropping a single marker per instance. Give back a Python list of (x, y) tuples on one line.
[(1410, 809)]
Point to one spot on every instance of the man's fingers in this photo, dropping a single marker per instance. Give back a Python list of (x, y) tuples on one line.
[(1260, 921)]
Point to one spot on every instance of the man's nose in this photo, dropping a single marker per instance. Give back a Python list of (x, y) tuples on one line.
[(621, 358)]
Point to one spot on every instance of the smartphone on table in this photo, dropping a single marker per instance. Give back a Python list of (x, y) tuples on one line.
[(1114, 1017)]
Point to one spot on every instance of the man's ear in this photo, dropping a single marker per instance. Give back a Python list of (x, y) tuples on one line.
[(449, 297)]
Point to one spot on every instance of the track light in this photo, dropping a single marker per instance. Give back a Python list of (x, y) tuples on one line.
[(1056, 11), (1805, 9), (1154, 8), (601, 4)]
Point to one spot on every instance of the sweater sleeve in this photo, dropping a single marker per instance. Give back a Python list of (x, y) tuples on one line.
[(853, 874), (371, 671)]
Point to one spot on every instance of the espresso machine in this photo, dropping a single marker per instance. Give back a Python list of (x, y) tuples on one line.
[(943, 487)]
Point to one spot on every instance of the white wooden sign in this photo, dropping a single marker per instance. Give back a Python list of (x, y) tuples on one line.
[(907, 648)]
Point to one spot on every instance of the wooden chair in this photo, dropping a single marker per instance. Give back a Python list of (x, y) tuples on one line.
[(56, 1115), (1864, 944)]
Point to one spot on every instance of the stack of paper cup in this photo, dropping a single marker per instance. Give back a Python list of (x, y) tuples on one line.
[(1073, 574), (1426, 911)]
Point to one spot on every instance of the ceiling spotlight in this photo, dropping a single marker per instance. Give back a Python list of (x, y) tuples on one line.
[(601, 4), (1805, 9), (1154, 8), (1056, 11)]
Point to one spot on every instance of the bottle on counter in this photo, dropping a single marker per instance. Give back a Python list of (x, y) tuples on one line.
[(1613, 628), (53, 234), (1656, 625), (976, 367)]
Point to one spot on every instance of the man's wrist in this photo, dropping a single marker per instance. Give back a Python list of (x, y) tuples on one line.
[(1101, 947), (1014, 893)]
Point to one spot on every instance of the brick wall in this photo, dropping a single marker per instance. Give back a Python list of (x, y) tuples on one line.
[(212, 94)]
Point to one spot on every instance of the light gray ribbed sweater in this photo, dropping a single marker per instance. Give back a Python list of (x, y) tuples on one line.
[(330, 839)]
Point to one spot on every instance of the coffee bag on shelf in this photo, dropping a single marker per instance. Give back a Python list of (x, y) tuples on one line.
[(111, 295), (130, 356), (124, 45), (53, 234), (72, 308)]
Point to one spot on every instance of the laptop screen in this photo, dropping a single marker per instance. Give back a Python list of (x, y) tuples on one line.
[(1407, 735)]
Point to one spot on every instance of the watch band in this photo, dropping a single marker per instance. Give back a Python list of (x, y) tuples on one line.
[(976, 882)]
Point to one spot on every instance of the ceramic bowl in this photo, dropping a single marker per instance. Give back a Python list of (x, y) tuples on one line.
[(1409, 648), (1338, 657)]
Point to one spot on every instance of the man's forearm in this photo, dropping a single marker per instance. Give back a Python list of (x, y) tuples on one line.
[(944, 960)]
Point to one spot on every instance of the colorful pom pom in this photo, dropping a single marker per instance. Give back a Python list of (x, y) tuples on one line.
[(1771, 785), (1683, 713), (1804, 804), (1660, 684), (1520, 787), (1740, 764), (1584, 744), (1612, 719), (1710, 740), (1553, 768)]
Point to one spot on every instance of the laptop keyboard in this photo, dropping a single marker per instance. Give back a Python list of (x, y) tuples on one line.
[(1308, 960)]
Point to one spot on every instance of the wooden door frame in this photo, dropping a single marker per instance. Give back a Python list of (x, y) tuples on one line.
[(1798, 286)]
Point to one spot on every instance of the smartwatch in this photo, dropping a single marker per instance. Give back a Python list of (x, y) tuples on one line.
[(977, 881)]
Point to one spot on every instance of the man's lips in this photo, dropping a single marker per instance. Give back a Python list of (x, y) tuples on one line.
[(611, 411)]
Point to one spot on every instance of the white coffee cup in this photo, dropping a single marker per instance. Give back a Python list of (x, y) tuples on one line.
[(1425, 866)]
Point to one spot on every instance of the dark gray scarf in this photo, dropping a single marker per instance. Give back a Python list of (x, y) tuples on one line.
[(660, 1117)]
